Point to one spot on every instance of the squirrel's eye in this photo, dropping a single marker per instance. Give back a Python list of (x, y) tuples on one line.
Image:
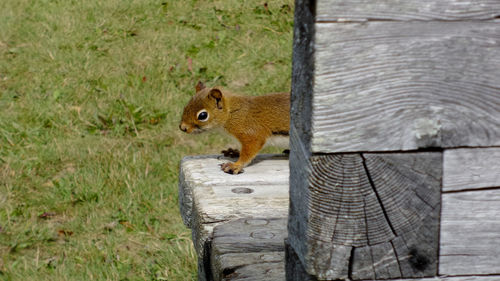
[(202, 115)]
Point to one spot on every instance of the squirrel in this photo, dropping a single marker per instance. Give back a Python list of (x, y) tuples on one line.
[(253, 120)]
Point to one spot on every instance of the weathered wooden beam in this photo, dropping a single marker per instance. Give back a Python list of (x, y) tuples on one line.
[(363, 216), (249, 249), (408, 10), (471, 168), (461, 278), (294, 269), (303, 70), (470, 233), (296, 272), (391, 86), (209, 197), (266, 266), (217, 196), (388, 76), (300, 128), (250, 235)]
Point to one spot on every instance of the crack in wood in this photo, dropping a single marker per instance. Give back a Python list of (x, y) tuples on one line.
[(338, 213), (397, 258), (351, 264), (472, 190), (368, 201), (377, 195), (424, 201)]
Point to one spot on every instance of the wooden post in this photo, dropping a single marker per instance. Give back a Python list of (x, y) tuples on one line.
[(385, 97)]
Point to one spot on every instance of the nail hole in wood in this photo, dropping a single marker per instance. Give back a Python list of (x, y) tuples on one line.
[(242, 190)]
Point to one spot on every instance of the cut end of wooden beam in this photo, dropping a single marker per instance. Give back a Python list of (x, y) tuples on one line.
[(372, 216)]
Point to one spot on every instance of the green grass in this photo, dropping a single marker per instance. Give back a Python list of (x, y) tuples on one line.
[(91, 94)]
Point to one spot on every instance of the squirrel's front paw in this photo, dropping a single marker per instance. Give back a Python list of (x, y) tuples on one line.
[(232, 168)]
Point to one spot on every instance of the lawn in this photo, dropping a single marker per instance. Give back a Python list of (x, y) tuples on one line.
[(91, 94)]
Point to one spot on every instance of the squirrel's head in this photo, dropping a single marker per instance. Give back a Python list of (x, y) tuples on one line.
[(204, 111)]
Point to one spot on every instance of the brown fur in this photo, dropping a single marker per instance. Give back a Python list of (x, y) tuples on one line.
[(251, 119)]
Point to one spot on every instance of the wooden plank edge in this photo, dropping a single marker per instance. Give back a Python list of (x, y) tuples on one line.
[(466, 169), (258, 266)]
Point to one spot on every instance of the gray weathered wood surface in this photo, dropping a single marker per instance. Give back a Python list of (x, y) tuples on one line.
[(295, 272), (392, 75), (407, 10), (302, 74), (367, 215), (249, 249), (390, 86), (300, 129), (470, 233), (471, 168), (463, 278), (469, 223), (299, 213), (224, 195), (250, 235), (209, 197), (266, 266)]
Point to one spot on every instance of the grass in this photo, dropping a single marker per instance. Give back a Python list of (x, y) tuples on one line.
[(91, 94)]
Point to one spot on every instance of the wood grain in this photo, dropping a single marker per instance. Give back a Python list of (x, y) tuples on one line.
[(471, 168), (369, 215), (207, 192), (385, 262), (302, 71), (408, 10), (451, 278), (408, 186), (390, 86), (209, 197), (300, 170), (470, 233), (245, 245), (270, 271), (251, 266), (362, 266), (296, 272), (250, 235), (343, 205)]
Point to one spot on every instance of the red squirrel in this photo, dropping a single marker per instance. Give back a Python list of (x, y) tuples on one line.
[(253, 120)]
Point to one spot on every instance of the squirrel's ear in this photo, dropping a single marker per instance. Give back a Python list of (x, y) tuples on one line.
[(200, 86), (217, 95)]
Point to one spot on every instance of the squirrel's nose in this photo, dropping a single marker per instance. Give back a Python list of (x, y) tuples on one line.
[(182, 127)]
